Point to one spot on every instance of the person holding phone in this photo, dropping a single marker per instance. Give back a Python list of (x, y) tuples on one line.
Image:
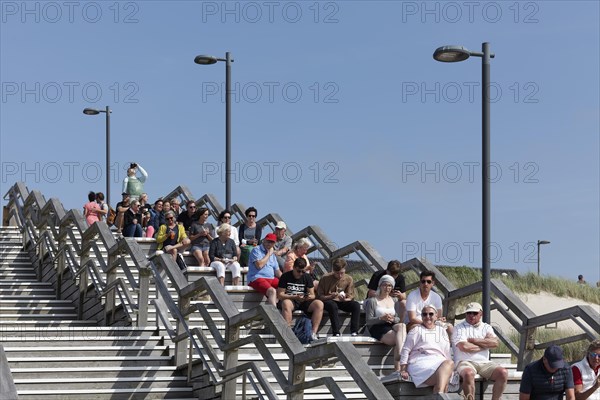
[(399, 290)]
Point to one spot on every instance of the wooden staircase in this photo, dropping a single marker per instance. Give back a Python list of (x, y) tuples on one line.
[(52, 355)]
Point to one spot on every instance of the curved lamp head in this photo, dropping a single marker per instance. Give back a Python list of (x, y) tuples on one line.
[(205, 60), (90, 111), (543, 242), (451, 54)]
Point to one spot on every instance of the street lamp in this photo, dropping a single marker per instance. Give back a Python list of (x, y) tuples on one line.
[(209, 60), (540, 242), (93, 111), (456, 54)]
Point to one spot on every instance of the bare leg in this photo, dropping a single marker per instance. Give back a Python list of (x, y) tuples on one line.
[(316, 309), (287, 308), (500, 377), (468, 382), (272, 297), (440, 378)]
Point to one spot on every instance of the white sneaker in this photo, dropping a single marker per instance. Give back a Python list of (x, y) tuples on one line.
[(393, 377), (314, 337)]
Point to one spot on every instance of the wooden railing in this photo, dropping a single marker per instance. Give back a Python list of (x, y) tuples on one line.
[(35, 215)]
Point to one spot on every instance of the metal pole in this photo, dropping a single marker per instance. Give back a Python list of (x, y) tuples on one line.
[(107, 155), (486, 196), (227, 131), (538, 257)]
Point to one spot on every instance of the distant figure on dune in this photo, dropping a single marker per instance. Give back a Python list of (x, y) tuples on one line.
[(580, 280)]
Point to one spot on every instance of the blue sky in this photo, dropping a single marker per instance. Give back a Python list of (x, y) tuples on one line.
[(341, 117)]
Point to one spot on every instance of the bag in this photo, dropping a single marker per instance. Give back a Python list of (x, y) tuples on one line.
[(111, 216), (245, 255), (181, 262), (303, 329)]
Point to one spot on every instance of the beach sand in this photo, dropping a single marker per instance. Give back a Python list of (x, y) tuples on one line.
[(540, 304)]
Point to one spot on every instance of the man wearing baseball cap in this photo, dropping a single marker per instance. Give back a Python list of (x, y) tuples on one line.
[(472, 341), (263, 270), (283, 243), (548, 378)]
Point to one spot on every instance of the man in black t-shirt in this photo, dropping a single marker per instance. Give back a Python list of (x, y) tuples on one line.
[(296, 291), (399, 291)]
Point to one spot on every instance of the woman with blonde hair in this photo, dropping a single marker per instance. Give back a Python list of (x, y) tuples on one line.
[(425, 355)]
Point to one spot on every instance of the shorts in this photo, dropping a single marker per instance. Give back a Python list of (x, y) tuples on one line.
[(298, 305), (201, 248), (485, 369), (378, 330), (263, 284)]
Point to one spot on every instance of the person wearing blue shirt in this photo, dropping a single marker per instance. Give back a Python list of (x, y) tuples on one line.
[(263, 269)]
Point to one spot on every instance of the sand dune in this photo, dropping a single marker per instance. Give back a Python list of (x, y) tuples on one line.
[(543, 303)]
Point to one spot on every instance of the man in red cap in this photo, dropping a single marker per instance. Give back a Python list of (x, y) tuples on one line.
[(548, 378), (263, 270)]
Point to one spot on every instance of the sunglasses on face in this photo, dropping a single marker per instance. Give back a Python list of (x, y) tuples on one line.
[(191, 206), (428, 281), (252, 216), (594, 355), (226, 216), (169, 218), (472, 313), (427, 314)]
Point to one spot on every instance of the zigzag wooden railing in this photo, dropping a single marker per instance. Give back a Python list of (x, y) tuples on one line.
[(516, 312), (31, 213), (295, 384), (185, 338)]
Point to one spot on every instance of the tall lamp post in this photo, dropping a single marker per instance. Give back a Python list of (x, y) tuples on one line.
[(208, 60), (93, 111), (455, 54), (540, 242)]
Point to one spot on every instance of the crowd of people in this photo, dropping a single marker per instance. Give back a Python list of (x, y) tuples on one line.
[(427, 349)]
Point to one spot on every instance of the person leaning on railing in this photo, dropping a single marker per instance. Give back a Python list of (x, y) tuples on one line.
[(586, 374)]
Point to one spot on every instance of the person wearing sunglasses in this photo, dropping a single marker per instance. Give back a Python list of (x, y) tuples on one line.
[(383, 323), (425, 356), (188, 217), (263, 270), (223, 255), (586, 374), (201, 234), (225, 218), (472, 340), (399, 292), (171, 236), (296, 291), (250, 232), (423, 296)]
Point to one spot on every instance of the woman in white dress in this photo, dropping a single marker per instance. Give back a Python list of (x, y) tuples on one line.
[(383, 321), (425, 355)]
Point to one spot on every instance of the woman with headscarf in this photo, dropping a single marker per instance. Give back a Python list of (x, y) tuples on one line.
[(383, 321)]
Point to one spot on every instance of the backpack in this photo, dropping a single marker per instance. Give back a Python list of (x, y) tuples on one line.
[(303, 329)]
